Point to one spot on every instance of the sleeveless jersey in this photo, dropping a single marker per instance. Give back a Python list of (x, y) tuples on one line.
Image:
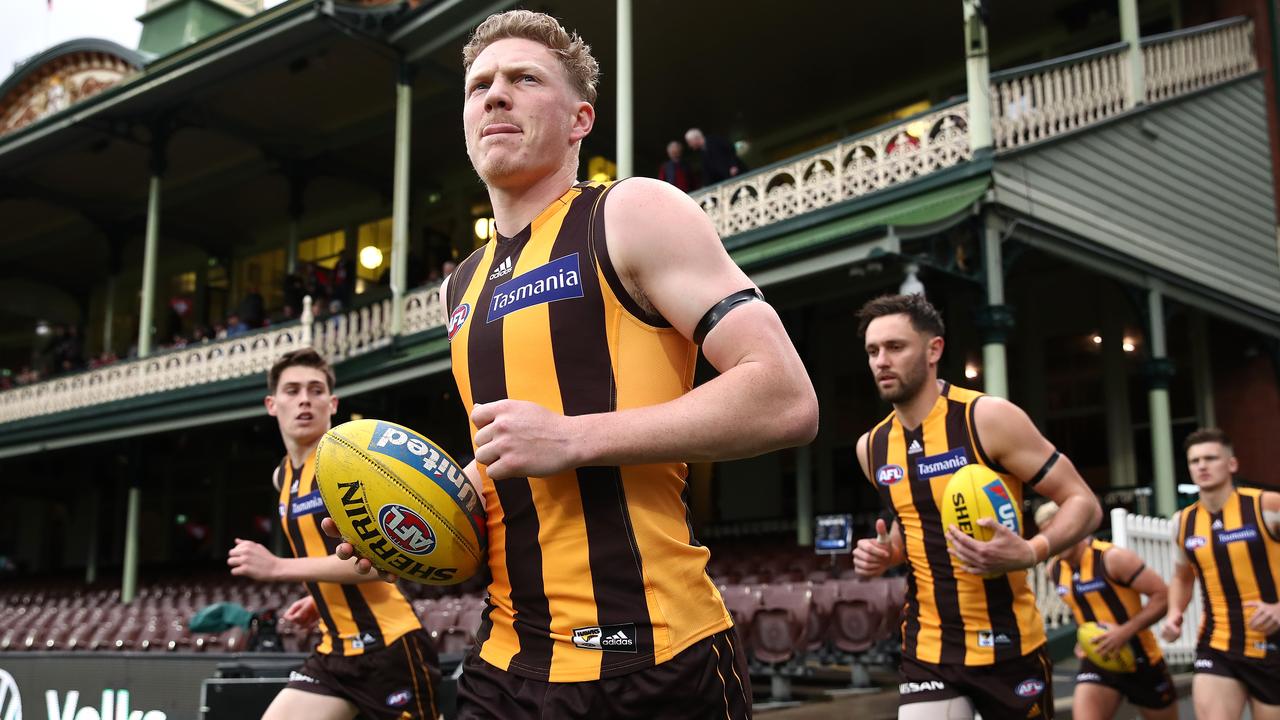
[(1095, 596), (595, 571), (951, 617), (356, 617), (1236, 560)]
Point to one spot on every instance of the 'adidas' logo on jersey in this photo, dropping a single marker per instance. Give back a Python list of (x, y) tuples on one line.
[(503, 269), (915, 448), (609, 638)]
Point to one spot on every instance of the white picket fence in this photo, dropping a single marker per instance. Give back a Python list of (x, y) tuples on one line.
[(1152, 539)]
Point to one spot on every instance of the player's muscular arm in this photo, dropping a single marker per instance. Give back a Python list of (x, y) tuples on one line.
[(1012, 440), (1180, 586), (1124, 566), (668, 254), (251, 559), (1271, 512)]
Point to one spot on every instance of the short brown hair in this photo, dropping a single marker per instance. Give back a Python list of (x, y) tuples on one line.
[(304, 357), (574, 53), (924, 316), (1206, 435)]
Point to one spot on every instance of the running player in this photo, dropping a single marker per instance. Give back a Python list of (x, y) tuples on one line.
[(1229, 540), (575, 335), (1103, 583), (968, 643), (374, 656)]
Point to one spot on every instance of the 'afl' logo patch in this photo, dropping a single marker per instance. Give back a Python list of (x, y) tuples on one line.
[(1195, 542), (889, 474), (1029, 688), (399, 698), (406, 529), (458, 319)]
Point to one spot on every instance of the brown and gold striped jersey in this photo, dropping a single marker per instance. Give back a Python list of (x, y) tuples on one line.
[(1094, 596), (1237, 560), (596, 572), (355, 617), (951, 617)]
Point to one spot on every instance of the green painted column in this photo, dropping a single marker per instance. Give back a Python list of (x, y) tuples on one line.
[(1129, 32), (148, 300), (400, 199), (977, 76), (129, 586), (804, 495), (626, 101), (1159, 371), (996, 319)]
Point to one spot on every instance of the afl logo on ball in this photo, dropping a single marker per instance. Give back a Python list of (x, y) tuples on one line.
[(458, 318), (889, 474), (406, 529)]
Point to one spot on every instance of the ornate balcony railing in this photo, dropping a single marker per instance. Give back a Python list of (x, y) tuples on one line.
[(840, 171), (1187, 60), (338, 338), (1029, 105)]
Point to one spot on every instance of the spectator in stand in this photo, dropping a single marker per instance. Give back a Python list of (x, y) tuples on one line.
[(236, 326), (719, 160), (447, 268), (675, 170), (314, 285), (293, 292), (343, 281), (252, 309)]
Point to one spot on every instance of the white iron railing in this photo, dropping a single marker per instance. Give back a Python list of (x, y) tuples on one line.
[(338, 338), (1038, 102), (842, 171), (1187, 60), (1152, 539)]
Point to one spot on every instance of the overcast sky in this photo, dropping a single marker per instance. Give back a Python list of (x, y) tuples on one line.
[(28, 27)]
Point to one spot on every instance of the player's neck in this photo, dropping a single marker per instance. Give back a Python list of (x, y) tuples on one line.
[(912, 412), (515, 207), (1213, 499), (299, 449)]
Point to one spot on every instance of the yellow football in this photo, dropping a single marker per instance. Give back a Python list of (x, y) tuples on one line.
[(402, 502), (975, 492), (1121, 662)]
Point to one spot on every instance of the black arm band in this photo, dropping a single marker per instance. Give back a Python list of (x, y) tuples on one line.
[(1044, 469), (722, 308)]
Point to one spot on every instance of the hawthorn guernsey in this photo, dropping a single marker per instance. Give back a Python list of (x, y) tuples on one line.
[(402, 502)]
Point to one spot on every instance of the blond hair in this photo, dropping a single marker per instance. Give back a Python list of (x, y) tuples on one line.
[(574, 53)]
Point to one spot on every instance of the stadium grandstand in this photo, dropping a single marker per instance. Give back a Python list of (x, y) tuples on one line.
[(1085, 188)]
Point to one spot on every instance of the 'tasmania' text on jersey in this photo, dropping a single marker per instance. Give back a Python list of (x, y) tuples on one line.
[(596, 572), (951, 617)]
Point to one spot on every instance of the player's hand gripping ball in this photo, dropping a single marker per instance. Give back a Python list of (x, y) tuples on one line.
[(1120, 662), (975, 492), (402, 502)]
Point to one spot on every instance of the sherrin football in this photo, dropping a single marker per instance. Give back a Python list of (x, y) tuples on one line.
[(975, 492), (402, 502), (1121, 662)]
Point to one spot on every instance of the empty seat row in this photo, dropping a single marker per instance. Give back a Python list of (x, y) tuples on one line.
[(780, 623)]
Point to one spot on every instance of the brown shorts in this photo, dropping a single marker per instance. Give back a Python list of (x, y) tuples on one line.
[(1261, 678), (707, 680), (1018, 688), (1149, 686), (397, 682)]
